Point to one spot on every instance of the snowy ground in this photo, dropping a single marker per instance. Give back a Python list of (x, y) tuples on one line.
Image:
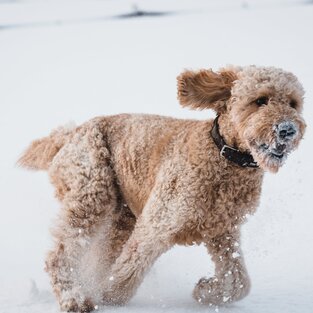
[(72, 60)]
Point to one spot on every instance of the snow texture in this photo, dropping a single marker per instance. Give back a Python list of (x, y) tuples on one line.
[(76, 59)]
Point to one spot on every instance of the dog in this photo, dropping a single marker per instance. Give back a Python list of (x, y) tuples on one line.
[(132, 186)]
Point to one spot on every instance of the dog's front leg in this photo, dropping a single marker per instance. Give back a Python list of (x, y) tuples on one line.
[(231, 281), (153, 235), (139, 253)]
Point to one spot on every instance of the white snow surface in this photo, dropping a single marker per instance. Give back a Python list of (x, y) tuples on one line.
[(71, 60)]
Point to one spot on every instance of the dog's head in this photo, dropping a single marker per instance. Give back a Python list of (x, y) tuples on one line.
[(259, 107)]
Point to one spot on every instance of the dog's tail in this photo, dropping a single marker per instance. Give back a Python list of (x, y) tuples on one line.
[(40, 153)]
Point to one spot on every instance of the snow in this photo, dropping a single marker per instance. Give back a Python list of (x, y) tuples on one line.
[(72, 60), (235, 255)]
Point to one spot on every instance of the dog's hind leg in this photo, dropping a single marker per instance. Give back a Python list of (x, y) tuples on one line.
[(231, 281), (85, 184), (104, 248)]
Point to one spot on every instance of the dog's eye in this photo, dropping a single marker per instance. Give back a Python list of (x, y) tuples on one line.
[(261, 101), (293, 104)]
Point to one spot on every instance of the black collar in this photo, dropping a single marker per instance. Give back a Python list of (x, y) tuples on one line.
[(232, 154)]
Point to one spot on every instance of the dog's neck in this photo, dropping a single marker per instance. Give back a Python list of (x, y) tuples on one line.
[(231, 152), (228, 132)]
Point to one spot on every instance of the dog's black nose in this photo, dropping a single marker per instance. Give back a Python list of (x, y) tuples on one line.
[(286, 130)]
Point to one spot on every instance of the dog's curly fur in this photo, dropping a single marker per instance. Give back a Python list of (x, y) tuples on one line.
[(132, 186)]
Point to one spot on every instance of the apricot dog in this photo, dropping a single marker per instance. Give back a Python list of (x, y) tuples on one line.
[(132, 186)]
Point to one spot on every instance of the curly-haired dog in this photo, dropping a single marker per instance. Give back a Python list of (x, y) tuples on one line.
[(132, 186)]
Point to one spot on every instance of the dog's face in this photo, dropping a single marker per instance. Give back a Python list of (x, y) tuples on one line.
[(262, 107)]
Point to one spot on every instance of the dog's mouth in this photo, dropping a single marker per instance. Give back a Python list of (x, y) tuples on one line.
[(271, 149), (270, 156), (276, 152)]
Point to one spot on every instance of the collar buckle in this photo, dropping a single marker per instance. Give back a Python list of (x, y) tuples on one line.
[(222, 152), (234, 155)]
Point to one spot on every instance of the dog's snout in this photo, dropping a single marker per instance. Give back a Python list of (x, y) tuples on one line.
[(286, 130)]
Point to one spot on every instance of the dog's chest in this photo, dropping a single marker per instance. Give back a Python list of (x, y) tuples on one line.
[(222, 206), (237, 195)]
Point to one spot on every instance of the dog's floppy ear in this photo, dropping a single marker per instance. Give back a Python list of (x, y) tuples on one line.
[(205, 89)]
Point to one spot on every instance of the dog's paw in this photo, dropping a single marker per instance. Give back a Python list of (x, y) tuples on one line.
[(215, 291), (117, 293), (71, 305), (117, 298), (208, 291)]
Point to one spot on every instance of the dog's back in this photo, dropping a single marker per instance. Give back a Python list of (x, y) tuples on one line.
[(136, 145)]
